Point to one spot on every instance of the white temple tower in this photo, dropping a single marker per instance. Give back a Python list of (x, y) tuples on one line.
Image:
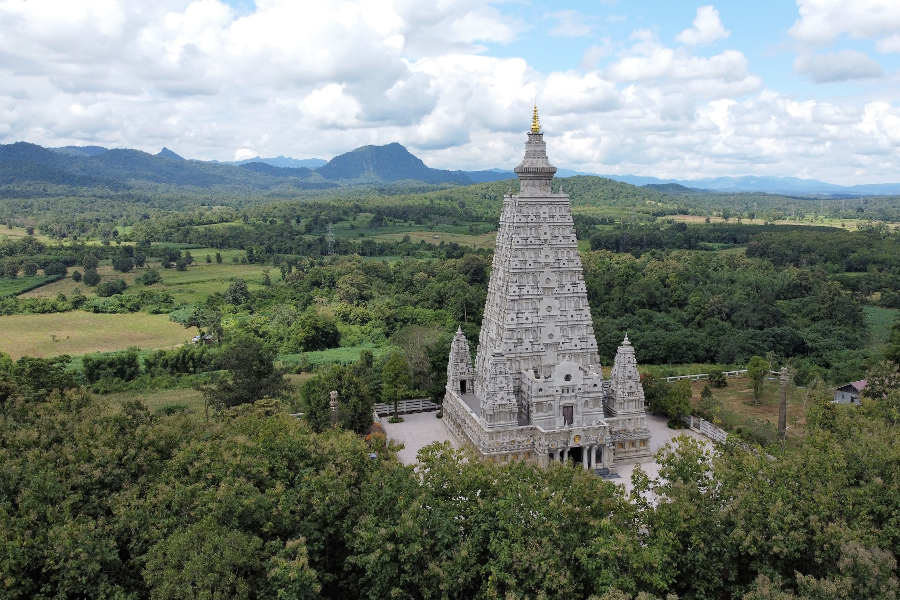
[(538, 384)]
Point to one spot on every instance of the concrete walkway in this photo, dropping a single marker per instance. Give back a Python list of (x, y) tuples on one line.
[(415, 432)]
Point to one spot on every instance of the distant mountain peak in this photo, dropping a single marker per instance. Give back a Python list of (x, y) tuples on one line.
[(166, 153), (391, 162)]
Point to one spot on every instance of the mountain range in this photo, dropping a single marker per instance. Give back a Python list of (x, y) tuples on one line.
[(31, 165)]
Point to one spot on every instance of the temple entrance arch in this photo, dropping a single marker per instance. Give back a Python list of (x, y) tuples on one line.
[(575, 456)]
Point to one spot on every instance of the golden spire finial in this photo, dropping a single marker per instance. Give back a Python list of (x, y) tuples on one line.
[(535, 123)]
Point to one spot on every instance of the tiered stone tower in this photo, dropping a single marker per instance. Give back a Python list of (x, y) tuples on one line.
[(539, 392)]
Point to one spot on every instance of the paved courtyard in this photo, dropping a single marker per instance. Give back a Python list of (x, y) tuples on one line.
[(415, 432), (420, 429)]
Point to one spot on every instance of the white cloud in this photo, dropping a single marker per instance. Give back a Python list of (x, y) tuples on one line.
[(706, 30), (211, 83), (569, 23), (822, 21), (844, 65), (889, 45), (594, 54)]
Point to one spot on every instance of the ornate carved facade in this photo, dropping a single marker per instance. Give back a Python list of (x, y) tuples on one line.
[(537, 391)]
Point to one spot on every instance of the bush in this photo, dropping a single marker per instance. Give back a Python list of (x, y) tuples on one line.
[(759, 431), (189, 359), (149, 277), (123, 366), (76, 276), (111, 288), (172, 409), (91, 277), (56, 268), (717, 378), (30, 269), (123, 264)]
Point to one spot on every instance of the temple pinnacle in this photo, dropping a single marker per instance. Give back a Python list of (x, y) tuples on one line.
[(535, 123)]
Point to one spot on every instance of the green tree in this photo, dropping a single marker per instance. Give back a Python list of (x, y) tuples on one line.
[(123, 263), (11, 268), (355, 403), (757, 370), (56, 268), (38, 378), (237, 293), (218, 257), (30, 268), (149, 277), (252, 374), (312, 331), (709, 406), (91, 277), (204, 560), (395, 381)]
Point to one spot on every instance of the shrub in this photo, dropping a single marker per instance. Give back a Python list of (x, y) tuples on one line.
[(56, 268), (189, 359), (111, 288), (76, 276), (124, 366), (717, 378), (149, 277), (172, 409), (91, 277), (123, 264)]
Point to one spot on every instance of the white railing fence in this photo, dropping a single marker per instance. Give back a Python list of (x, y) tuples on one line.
[(406, 407), (704, 427), (700, 376)]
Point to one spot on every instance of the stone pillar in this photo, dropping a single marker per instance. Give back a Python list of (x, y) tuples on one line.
[(584, 458), (566, 455), (592, 457), (334, 408), (604, 456)]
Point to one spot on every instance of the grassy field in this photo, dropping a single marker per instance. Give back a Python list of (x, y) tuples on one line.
[(880, 321), (189, 398), (80, 332), (14, 287), (485, 240), (190, 286), (343, 356), (738, 405), (846, 223)]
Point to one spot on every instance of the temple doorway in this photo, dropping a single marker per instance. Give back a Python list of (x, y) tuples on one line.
[(462, 386), (575, 456)]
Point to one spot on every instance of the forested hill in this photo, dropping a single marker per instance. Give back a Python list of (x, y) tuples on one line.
[(391, 162), (28, 168)]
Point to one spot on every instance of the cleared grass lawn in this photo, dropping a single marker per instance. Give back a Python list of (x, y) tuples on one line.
[(738, 404), (79, 332)]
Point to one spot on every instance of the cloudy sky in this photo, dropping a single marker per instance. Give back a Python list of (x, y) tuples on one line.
[(666, 88)]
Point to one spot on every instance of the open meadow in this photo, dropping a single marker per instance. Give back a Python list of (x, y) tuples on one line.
[(190, 286), (79, 332)]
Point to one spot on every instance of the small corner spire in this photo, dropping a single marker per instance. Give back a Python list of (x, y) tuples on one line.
[(535, 122)]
